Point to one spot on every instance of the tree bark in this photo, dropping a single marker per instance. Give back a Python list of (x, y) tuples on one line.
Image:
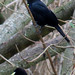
[(11, 26), (30, 53), (1, 18), (69, 53)]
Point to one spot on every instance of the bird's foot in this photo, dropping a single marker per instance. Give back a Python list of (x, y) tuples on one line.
[(38, 28)]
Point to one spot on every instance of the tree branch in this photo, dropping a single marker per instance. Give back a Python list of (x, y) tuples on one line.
[(29, 54)]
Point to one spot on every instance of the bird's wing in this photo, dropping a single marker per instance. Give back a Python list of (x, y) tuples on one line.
[(42, 13), (39, 9)]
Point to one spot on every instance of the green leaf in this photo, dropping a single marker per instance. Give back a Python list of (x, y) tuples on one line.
[(72, 25), (28, 4)]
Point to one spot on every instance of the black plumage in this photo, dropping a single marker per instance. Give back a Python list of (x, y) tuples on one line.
[(19, 71), (44, 16)]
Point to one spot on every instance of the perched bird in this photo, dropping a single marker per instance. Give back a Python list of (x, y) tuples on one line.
[(19, 71), (43, 16)]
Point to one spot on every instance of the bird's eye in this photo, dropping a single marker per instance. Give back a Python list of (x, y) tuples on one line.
[(13, 73)]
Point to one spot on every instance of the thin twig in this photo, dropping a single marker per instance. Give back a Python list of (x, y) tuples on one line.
[(52, 50), (6, 7), (62, 21), (61, 55), (20, 54), (28, 38), (39, 55), (63, 46), (13, 65)]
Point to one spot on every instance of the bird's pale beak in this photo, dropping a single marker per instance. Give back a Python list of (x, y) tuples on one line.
[(13, 73)]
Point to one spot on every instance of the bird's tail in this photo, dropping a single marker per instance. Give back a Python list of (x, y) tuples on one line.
[(62, 33)]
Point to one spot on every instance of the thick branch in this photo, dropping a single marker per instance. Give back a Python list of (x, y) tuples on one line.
[(30, 53)]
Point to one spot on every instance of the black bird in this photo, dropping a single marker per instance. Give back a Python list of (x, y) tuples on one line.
[(19, 71), (43, 16)]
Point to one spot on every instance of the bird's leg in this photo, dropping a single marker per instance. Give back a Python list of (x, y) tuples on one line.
[(39, 28), (39, 33)]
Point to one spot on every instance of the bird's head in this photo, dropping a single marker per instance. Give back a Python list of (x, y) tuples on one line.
[(19, 71), (31, 1)]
